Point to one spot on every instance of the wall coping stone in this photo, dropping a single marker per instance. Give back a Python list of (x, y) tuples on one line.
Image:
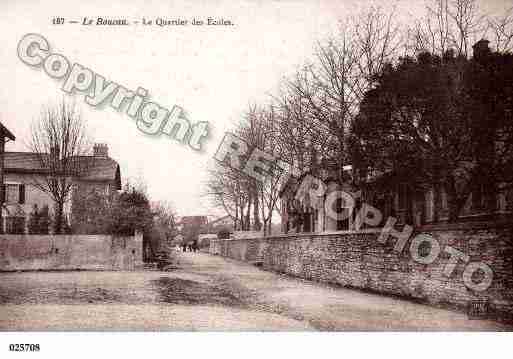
[(460, 226)]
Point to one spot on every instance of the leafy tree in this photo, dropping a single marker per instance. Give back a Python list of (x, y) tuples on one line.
[(131, 211), (91, 211), (95, 212), (164, 218), (488, 104), (163, 227), (437, 121), (410, 124)]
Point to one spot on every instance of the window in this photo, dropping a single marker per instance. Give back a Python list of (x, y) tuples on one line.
[(477, 197), (445, 203), (14, 193), (11, 193), (307, 222), (429, 205)]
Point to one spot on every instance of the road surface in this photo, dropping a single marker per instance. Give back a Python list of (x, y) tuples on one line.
[(207, 293)]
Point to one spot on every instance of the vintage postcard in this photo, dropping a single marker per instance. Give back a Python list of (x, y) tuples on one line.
[(256, 166)]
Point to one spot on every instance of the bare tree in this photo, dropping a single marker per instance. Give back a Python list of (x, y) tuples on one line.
[(502, 31), (251, 202), (164, 216), (227, 189), (318, 104), (269, 189), (60, 142), (307, 123), (449, 25)]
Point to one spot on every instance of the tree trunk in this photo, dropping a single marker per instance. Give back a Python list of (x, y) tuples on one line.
[(256, 216), (58, 218), (269, 222), (235, 224), (241, 220), (247, 221)]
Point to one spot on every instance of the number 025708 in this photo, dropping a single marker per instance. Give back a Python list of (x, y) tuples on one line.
[(23, 347)]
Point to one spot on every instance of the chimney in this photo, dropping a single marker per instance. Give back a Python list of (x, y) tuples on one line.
[(101, 150), (481, 50)]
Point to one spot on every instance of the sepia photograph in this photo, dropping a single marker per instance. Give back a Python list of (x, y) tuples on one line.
[(255, 166)]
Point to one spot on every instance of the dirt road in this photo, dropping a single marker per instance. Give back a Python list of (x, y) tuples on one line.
[(207, 293)]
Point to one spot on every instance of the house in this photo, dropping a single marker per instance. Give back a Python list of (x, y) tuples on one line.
[(5, 136), (301, 213), (23, 171), (222, 221)]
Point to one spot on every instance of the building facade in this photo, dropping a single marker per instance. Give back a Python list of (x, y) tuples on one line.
[(24, 177), (393, 198)]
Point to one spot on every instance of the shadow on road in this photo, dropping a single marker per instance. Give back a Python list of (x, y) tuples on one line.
[(184, 291)]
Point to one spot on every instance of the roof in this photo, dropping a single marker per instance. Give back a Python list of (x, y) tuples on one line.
[(207, 236), (99, 168), (6, 133), (22, 162)]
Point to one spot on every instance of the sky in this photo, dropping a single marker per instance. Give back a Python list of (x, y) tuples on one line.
[(213, 72)]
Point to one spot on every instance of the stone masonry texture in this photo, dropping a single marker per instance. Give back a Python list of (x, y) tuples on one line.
[(69, 252), (359, 260)]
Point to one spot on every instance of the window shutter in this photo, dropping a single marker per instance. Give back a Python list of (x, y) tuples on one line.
[(3, 193), (22, 193)]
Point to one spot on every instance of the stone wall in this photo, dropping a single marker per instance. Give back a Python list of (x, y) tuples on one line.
[(359, 260), (69, 252)]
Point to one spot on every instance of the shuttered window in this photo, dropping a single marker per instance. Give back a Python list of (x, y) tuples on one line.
[(13, 193), (22, 193)]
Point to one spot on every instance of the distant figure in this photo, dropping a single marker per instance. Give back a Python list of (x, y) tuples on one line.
[(184, 247), (195, 246)]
